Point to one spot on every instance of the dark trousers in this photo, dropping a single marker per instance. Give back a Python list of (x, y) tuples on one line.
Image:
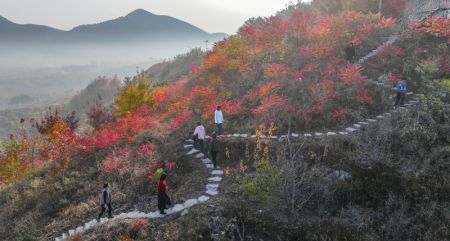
[(400, 98), (163, 201), (219, 129), (214, 158), (200, 145), (104, 209)]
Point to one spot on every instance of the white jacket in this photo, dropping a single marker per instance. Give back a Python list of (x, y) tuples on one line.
[(218, 117)]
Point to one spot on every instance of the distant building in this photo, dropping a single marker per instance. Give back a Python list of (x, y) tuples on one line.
[(417, 10)]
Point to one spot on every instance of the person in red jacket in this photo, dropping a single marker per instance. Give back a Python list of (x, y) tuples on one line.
[(163, 198)]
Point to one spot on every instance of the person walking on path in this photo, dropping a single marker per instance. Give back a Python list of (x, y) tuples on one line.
[(350, 52), (215, 148), (163, 198), (218, 120), (400, 88), (105, 200), (200, 132)]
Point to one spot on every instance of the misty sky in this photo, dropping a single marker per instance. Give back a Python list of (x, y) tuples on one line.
[(210, 15)]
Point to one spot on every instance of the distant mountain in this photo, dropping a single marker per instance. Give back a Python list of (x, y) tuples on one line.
[(133, 26), (9, 28)]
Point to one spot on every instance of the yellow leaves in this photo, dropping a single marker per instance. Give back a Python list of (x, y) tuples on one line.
[(135, 94)]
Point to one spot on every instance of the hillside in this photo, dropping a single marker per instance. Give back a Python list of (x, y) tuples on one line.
[(313, 148)]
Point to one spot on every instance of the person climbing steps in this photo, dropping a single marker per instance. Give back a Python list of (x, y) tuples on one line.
[(105, 201), (200, 133), (215, 148), (400, 88), (163, 198)]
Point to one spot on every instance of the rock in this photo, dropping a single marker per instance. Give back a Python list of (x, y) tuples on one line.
[(189, 203), (58, 239), (156, 214), (341, 175), (236, 135), (215, 179), (185, 212), (79, 230), (217, 173), (64, 236), (203, 199)]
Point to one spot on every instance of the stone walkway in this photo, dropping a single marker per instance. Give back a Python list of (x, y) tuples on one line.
[(212, 188)]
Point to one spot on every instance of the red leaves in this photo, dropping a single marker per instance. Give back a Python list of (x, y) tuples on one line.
[(180, 119), (363, 96), (352, 74), (340, 114), (275, 70), (269, 103)]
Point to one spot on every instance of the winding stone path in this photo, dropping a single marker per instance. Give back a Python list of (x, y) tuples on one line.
[(212, 188)]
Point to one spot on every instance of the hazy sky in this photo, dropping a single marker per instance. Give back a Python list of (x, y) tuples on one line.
[(210, 15)]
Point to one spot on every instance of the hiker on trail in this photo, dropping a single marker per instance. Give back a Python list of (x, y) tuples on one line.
[(218, 120), (350, 51), (200, 132), (215, 148), (105, 200), (163, 198), (400, 88)]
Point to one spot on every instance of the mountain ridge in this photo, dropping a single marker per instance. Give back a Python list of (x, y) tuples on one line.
[(136, 23)]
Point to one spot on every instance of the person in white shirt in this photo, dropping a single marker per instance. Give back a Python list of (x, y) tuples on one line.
[(218, 120), (200, 133)]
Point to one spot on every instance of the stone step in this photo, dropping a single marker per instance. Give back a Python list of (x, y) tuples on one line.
[(357, 125), (307, 135), (244, 135), (193, 151), (215, 179), (203, 199), (371, 120), (206, 161), (295, 135), (177, 208), (200, 155), (188, 146), (343, 133), (363, 123), (318, 134), (209, 166), (350, 129), (217, 173), (212, 193), (190, 203), (189, 141), (212, 187), (331, 133)]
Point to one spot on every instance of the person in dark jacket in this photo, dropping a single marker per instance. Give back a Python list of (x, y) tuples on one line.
[(215, 148), (400, 88), (105, 201), (350, 51), (163, 198)]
